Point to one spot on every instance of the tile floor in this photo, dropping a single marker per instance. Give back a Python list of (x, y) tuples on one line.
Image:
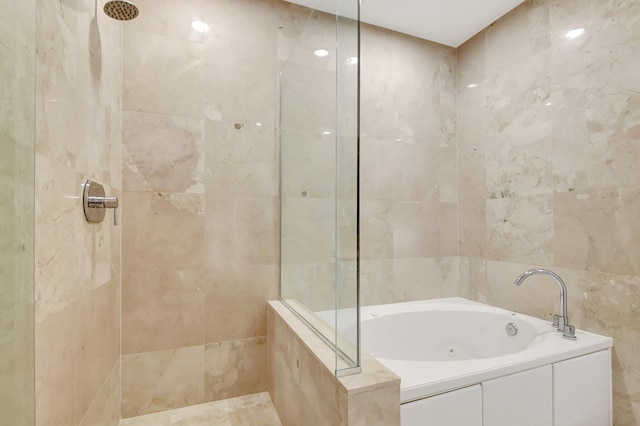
[(255, 409)]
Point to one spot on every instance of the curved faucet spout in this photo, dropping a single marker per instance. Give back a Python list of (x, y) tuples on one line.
[(562, 320)]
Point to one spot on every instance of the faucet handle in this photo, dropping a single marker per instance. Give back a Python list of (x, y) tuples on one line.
[(559, 322)]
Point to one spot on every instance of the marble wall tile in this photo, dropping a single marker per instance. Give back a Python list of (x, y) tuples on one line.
[(308, 219), (241, 230), (308, 164), (423, 229), (163, 153), (235, 91), (63, 272), (302, 30), (175, 66), (310, 98), (236, 299), (596, 114), (520, 229), (235, 368), (162, 380), (517, 36), (309, 283), (162, 231), (518, 161), (105, 408), (241, 158), (162, 310), (376, 226), (169, 19), (55, 387), (597, 230), (97, 314)]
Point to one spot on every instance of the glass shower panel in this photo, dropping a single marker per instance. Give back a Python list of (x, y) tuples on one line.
[(319, 139), (17, 77), (347, 145)]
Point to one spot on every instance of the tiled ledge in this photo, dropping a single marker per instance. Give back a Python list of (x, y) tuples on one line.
[(304, 389)]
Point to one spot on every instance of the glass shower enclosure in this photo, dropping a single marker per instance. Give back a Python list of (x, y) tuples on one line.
[(319, 128)]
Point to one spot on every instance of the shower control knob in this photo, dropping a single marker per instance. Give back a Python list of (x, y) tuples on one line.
[(95, 202)]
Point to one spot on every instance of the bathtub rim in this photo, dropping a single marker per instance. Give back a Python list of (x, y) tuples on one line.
[(417, 377)]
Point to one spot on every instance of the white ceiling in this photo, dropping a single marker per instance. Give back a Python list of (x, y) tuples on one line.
[(450, 22)]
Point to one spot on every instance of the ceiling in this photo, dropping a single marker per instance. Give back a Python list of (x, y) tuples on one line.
[(449, 22)]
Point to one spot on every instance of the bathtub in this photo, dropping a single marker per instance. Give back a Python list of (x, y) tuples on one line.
[(437, 346)]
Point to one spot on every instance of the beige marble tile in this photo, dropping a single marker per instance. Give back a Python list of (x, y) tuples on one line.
[(163, 75), (308, 219), (520, 34), (376, 230), (255, 410), (162, 310), (241, 231), (520, 229), (234, 368), (105, 408), (596, 230), (162, 231), (519, 161), (380, 406), (236, 299), (96, 343), (376, 171), (241, 40), (413, 236), (302, 30), (472, 203), (596, 115), (424, 278), (170, 19), (309, 98), (54, 369), (163, 380), (309, 283), (163, 153), (415, 168), (308, 164), (63, 272), (241, 158)]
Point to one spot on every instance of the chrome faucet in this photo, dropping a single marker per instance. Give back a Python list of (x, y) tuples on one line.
[(561, 322)]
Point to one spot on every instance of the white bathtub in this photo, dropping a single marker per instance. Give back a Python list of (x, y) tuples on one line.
[(439, 345)]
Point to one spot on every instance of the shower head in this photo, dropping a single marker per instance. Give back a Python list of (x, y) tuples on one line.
[(121, 10)]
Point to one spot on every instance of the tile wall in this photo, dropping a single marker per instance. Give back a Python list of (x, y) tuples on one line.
[(408, 168), (548, 131), (77, 264), (200, 211), (17, 141)]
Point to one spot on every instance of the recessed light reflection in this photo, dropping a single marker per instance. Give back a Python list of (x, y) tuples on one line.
[(258, 124), (548, 104), (321, 53), (352, 60), (471, 86), (200, 26), (326, 133), (574, 33)]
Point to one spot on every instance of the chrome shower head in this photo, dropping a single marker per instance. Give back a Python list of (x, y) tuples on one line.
[(121, 10)]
